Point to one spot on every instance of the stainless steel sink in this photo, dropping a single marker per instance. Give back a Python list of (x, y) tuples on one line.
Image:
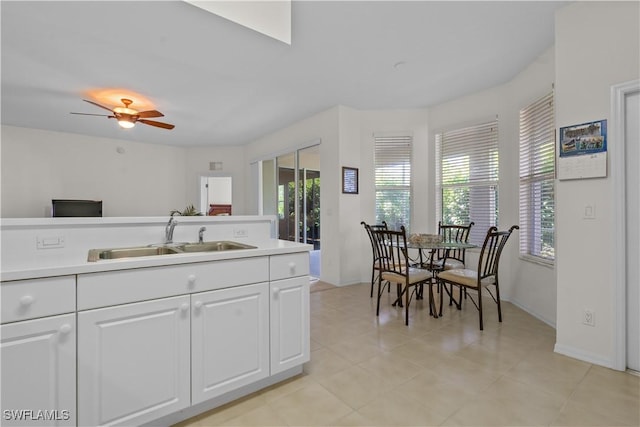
[(98, 254), (223, 245), (153, 250)]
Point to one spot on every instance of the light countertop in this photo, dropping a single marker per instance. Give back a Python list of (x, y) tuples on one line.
[(264, 247)]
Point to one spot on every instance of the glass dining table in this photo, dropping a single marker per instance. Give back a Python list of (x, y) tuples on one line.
[(427, 249), (428, 259)]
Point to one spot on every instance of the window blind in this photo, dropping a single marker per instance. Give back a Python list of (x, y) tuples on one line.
[(537, 175), (393, 180), (467, 178)]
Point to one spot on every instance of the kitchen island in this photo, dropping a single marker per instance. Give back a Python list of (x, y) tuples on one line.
[(154, 339)]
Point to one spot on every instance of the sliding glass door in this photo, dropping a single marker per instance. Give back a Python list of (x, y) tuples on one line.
[(291, 189)]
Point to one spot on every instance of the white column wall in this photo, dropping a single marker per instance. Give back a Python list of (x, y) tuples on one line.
[(588, 63)]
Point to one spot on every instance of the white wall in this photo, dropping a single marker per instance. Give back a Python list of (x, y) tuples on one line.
[(597, 45), (234, 165), (37, 166)]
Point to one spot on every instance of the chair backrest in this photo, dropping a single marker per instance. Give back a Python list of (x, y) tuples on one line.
[(370, 228), (391, 247), (491, 250), (454, 233)]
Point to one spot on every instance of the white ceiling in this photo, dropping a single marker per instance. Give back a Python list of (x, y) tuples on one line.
[(223, 84)]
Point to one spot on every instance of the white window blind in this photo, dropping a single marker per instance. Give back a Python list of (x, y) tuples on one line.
[(537, 174), (467, 178), (393, 180)]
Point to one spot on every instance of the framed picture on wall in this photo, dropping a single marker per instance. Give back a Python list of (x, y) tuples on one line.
[(349, 180)]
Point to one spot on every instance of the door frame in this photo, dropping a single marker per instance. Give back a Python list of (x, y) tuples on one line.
[(619, 93)]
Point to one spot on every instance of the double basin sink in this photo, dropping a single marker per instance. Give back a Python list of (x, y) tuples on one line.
[(165, 249)]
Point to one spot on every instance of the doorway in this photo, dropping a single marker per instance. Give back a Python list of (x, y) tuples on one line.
[(216, 191), (625, 99), (632, 139)]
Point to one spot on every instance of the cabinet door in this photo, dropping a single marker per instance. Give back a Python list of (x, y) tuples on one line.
[(133, 362), (289, 323), (39, 372), (230, 339)]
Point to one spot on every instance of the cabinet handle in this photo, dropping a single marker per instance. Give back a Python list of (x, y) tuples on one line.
[(197, 304), (65, 329), (276, 290), (26, 300), (292, 267), (184, 307), (191, 279)]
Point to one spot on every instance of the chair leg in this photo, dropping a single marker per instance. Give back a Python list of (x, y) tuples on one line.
[(406, 308), (380, 290), (441, 299), (451, 299), (498, 300), (372, 281), (480, 306), (399, 293), (432, 304)]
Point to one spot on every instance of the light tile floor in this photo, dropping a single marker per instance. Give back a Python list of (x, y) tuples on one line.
[(375, 371)]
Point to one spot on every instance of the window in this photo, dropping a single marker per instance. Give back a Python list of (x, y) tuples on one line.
[(467, 177), (537, 174), (393, 180)]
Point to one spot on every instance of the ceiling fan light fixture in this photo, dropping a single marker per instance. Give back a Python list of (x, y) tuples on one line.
[(126, 123), (124, 110)]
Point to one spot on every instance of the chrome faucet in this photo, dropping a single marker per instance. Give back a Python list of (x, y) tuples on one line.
[(168, 230), (201, 234)]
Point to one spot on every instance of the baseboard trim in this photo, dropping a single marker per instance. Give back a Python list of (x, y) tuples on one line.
[(531, 312), (585, 356)]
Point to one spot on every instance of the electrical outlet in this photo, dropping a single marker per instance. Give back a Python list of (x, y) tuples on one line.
[(240, 232), (589, 318), (49, 242)]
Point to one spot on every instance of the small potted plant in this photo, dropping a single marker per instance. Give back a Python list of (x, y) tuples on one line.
[(188, 211)]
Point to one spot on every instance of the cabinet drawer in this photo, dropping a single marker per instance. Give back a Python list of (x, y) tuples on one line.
[(289, 265), (29, 299), (124, 286)]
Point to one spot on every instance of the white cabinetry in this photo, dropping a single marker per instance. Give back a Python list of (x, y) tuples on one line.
[(230, 339), (289, 311), (133, 362), (39, 355), (153, 343), (139, 361)]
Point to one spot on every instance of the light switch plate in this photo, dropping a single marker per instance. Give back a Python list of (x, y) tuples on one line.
[(589, 212)]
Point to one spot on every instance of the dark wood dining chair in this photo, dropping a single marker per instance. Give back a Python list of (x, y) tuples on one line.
[(374, 265), (394, 267), (485, 276)]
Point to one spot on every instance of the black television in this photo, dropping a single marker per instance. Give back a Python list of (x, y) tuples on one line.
[(76, 208)]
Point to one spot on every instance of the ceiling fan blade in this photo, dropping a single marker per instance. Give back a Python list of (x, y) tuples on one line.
[(150, 113), (97, 105), (90, 114), (156, 124)]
